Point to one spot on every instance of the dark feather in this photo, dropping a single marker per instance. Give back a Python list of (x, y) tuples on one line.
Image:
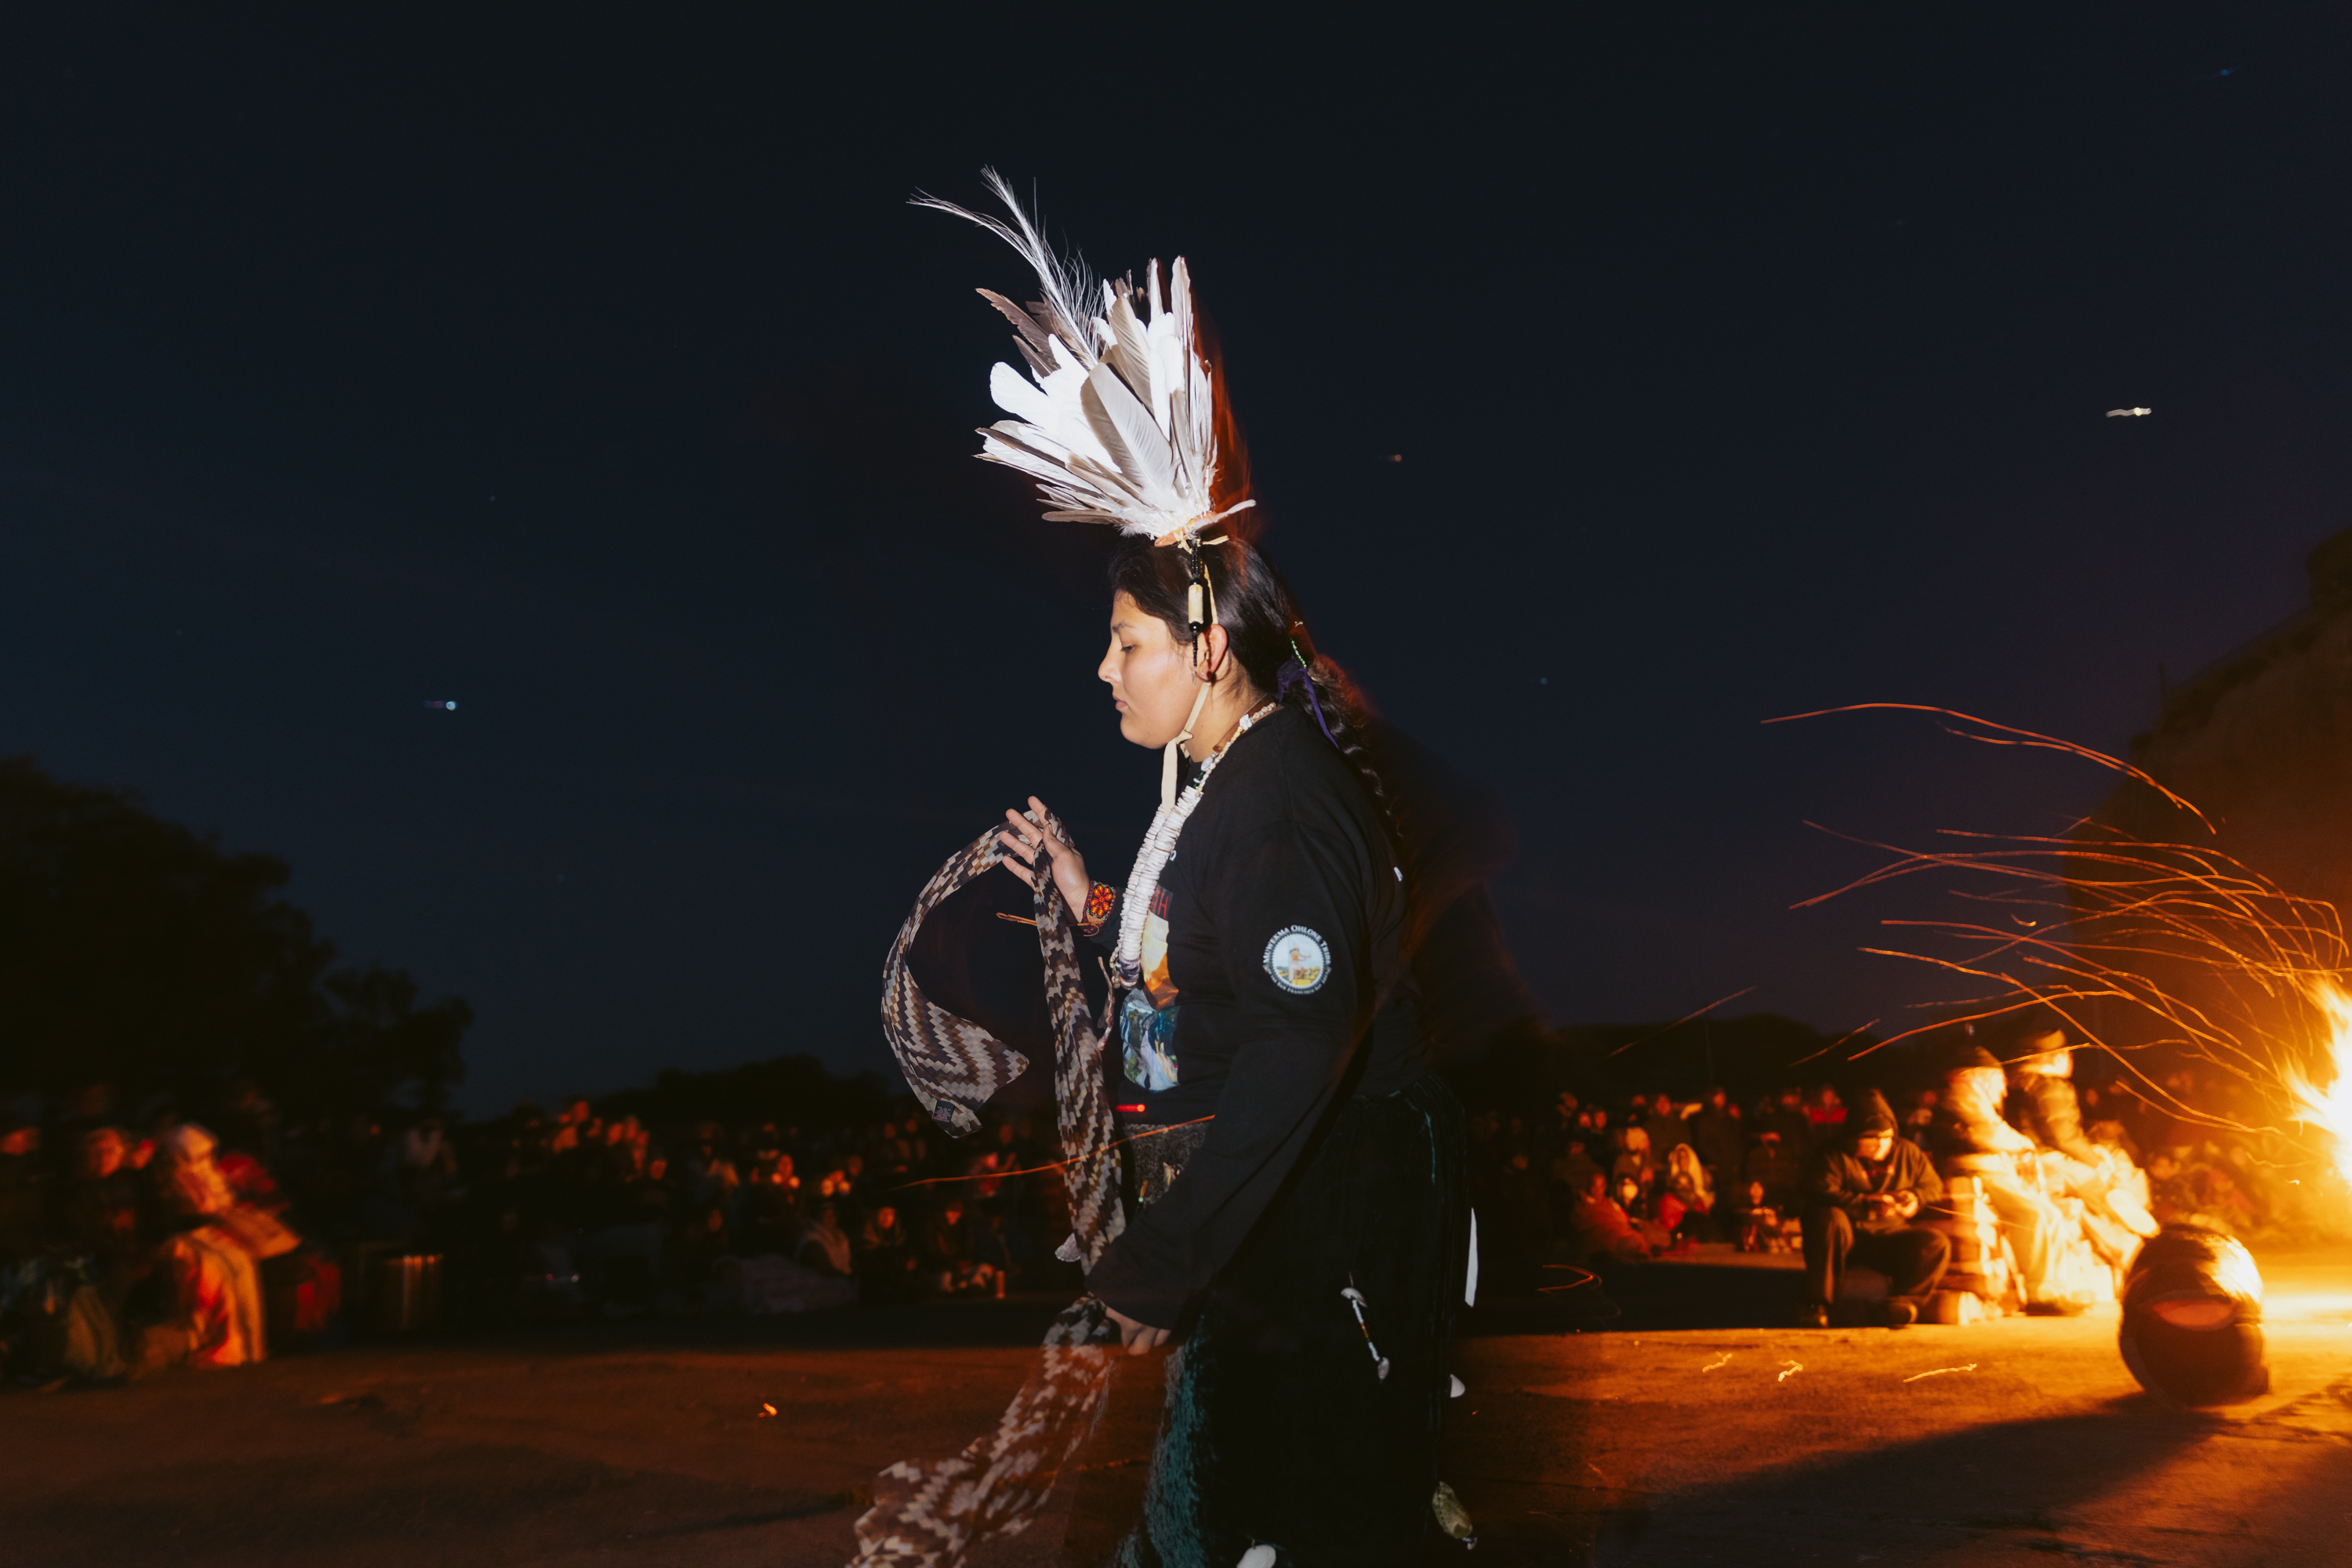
[(1032, 328)]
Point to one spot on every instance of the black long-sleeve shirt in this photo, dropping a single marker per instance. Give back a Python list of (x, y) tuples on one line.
[(1843, 1179), (1284, 912)]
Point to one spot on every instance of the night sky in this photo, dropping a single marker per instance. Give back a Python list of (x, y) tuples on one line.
[(587, 368)]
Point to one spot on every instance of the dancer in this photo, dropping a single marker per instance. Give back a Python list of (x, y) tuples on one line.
[(1299, 1224)]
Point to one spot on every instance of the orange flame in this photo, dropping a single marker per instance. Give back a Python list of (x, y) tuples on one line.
[(2330, 1108), (2091, 919)]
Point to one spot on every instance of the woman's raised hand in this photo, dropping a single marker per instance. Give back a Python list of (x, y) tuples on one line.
[(1024, 839)]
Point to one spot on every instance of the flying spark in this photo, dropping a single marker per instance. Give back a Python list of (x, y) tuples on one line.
[(1940, 1371), (2264, 1000), (2129, 412), (441, 704), (1792, 1366), (1716, 1362)]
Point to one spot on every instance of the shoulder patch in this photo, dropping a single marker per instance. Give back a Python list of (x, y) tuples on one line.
[(1299, 959)]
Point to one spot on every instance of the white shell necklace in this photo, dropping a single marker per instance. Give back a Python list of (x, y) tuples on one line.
[(1158, 846)]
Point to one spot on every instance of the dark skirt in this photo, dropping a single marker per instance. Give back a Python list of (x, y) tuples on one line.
[(1279, 1427)]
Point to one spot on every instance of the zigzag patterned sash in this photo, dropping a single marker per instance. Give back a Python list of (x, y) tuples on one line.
[(930, 1513)]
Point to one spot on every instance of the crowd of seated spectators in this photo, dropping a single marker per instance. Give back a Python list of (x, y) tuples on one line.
[(617, 1217), (205, 1234), (124, 1249), (131, 1242), (1632, 1177), (2246, 1185)]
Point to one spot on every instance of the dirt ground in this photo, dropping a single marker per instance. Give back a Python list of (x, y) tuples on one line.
[(638, 1443)]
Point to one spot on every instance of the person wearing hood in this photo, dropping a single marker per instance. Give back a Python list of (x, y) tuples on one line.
[(1862, 1201)]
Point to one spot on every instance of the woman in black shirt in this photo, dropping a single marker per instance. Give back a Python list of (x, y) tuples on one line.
[(1298, 1214)]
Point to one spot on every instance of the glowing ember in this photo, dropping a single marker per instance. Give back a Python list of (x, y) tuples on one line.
[(2330, 1109)]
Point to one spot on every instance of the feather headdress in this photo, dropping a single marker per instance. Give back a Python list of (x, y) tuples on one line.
[(1117, 419)]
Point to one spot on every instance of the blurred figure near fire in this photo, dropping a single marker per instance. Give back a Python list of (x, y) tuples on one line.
[(216, 1288), (2113, 1191), (1972, 1140)]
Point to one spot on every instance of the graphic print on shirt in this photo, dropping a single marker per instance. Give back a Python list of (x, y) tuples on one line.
[(1153, 957), (1147, 1019), (1299, 959), (1147, 1040)]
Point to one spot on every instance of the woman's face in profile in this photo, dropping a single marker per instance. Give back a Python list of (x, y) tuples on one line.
[(1151, 675)]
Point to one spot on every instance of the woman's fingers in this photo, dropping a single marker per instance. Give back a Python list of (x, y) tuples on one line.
[(1022, 837), (1020, 844), (1035, 823), (1024, 840), (1069, 868)]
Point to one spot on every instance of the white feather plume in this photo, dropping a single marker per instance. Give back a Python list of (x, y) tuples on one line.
[(1117, 418)]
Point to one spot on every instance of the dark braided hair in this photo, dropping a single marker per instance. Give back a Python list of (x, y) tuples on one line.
[(1268, 635)]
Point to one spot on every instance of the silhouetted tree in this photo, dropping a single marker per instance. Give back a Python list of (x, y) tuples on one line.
[(137, 953)]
